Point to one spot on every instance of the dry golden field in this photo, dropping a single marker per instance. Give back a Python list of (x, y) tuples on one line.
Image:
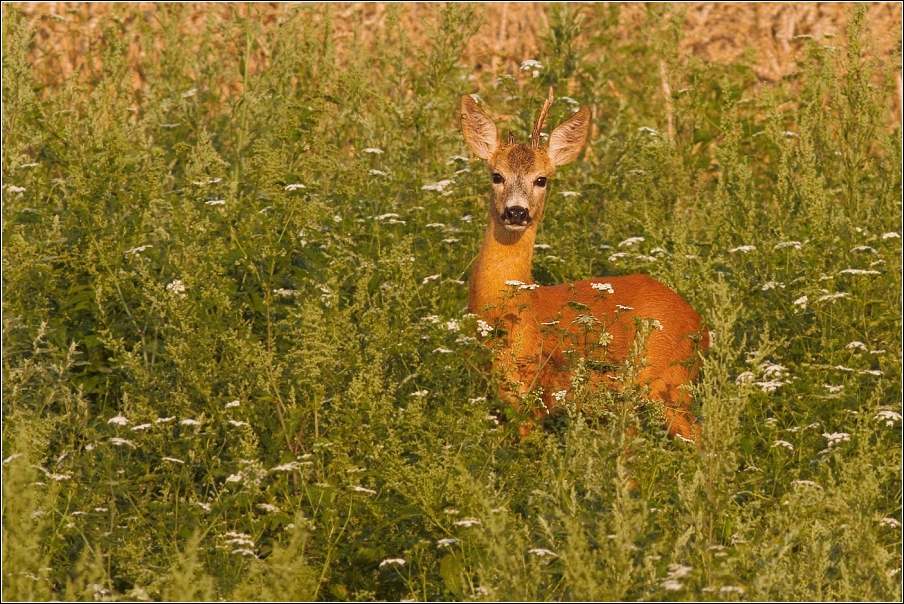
[(766, 36)]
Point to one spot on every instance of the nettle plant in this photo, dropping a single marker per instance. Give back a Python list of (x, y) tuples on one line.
[(239, 361)]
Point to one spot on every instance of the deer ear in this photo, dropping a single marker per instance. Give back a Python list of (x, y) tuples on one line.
[(478, 129), (567, 141)]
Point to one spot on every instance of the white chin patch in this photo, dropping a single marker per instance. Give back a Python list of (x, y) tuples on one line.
[(516, 227)]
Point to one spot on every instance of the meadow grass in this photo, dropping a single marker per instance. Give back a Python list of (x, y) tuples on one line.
[(238, 364)]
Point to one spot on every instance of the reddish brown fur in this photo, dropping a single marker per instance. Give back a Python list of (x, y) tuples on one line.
[(533, 354)]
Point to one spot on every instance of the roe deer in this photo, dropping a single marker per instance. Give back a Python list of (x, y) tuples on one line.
[(594, 318)]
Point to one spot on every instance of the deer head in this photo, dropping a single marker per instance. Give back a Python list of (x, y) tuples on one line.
[(520, 172)]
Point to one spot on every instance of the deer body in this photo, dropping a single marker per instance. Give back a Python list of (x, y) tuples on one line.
[(544, 326)]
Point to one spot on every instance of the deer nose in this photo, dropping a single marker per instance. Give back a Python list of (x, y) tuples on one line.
[(516, 215)]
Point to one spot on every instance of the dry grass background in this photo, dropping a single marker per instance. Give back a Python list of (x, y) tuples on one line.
[(766, 36)]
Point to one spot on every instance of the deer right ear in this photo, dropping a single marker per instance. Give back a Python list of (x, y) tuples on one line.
[(478, 129)]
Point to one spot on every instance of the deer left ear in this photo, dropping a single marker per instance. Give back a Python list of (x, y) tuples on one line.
[(569, 138)]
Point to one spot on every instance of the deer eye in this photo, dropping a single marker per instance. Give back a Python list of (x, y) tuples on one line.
[(497, 179), (540, 182)]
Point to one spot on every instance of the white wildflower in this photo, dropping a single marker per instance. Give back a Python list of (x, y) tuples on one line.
[(532, 66), (875, 372), (837, 437), (286, 467), (891, 235), (541, 552), (892, 522), (172, 460), (337, 218), (204, 506), (456, 158), (772, 285), (617, 256), (745, 378), (420, 393), (237, 423), (790, 134), (435, 225), (672, 585), (833, 389), (451, 511), (560, 395), (857, 345), (121, 442), (446, 542), (244, 552), (377, 173), (268, 507), (742, 248), (656, 324), (373, 150), (12, 457), (677, 571), (359, 489), (514, 283), (864, 248), (631, 241), (769, 385), (528, 286), (138, 250), (834, 296), (15, 189), (140, 427), (569, 193), (176, 287), (437, 186), (795, 244), (118, 420), (889, 417), (215, 202), (285, 293), (783, 443), (430, 278), (294, 186), (732, 589), (648, 130), (190, 422), (858, 271), (843, 368), (450, 240), (237, 477), (484, 328), (452, 325), (623, 307), (773, 370), (805, 483), (603, 287), (164, 420), (393, 561), (468, 522), (442, 350), (232, 404)]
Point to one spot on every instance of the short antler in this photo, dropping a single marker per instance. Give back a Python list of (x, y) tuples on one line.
[(535, 135)]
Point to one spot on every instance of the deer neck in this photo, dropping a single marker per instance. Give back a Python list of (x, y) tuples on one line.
[(504, 256)]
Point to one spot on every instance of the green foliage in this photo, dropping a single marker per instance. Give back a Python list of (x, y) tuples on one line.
[(238, 365)]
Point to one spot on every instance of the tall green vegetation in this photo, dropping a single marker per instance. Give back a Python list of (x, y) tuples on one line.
[(237, 362)]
